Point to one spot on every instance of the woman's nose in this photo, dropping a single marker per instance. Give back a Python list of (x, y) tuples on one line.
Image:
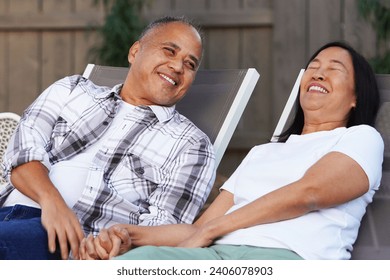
[(318, 75)]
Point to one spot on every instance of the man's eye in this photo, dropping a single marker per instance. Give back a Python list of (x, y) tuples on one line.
[(191, 65), (169, 50)]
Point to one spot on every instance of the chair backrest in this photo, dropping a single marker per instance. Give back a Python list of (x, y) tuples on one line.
[(374, 236), (285, 117), (8, 123), (373, 241), (215, 101)]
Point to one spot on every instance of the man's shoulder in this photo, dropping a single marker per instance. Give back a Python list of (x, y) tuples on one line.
[(191, 129), (78, 83)]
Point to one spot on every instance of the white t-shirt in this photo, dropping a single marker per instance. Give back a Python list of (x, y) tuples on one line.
[(324, 234), (70, 176)]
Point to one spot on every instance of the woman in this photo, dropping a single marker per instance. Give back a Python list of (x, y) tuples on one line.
[(301, 198)]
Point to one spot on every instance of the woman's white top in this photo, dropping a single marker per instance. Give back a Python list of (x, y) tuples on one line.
[(324, 234)]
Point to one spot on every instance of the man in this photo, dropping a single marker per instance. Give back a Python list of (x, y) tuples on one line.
[(86, 157)]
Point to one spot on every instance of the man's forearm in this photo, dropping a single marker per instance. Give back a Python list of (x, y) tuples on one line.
[(32, 179)]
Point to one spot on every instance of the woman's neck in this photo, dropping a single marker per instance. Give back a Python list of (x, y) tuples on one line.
[(326, 126)]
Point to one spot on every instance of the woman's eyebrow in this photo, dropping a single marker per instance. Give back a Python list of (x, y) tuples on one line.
[(331, 61), (338, 62)]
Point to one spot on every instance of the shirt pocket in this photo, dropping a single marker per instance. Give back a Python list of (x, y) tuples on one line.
[(143, 169), (60, 131)]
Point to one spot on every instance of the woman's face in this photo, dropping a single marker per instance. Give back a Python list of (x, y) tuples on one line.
[(327, 91)]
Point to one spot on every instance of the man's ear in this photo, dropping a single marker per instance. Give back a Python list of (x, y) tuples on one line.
[(133, 51)]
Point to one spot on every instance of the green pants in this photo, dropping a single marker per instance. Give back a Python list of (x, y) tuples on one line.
[(215, 252)]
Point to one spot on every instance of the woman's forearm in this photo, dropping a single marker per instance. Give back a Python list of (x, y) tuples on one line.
[(164, 235)]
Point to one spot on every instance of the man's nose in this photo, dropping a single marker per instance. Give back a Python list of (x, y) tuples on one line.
[(176, 64)]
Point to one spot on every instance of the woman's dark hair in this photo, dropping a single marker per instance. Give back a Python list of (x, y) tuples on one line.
[(366, 91)]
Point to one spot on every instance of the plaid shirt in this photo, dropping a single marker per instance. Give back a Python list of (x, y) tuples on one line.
[(159, 170)]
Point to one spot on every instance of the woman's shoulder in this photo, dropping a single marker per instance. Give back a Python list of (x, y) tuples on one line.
[(364, 133), (363, 129)]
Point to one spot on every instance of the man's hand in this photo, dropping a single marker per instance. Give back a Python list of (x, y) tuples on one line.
[(62, 224), (32, 179)]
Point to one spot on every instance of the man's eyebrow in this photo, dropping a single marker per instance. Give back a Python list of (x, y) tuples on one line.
[(171, 44), (176, 47)]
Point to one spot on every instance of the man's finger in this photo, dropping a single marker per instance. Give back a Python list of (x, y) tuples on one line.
[(116, 242), (90, 247), (100, 250), (74, 242), (51, 236), (82, 251), (63, 242)]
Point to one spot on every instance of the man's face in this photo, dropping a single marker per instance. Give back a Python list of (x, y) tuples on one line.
[(163, 65)]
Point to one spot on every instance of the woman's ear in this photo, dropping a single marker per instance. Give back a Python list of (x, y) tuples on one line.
[(353, 104)]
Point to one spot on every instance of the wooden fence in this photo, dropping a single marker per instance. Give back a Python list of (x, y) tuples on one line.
[(44, 40)]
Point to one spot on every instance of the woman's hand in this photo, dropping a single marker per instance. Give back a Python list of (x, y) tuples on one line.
[(201, 238)]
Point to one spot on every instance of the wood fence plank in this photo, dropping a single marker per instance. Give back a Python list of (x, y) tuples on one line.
[(83, 42), (57, 47), (288, 50), (4, 6), (225, 5), (190, 5), (24, 66), (4, 82), (57, 56), (84, 39), (82, 5), (357, 31), (24, 59), (57, 6), (255, 49), (23, 7), (88, 5), (3, 72), (258, 4), (324, 24), (222, 47), (163, 6)]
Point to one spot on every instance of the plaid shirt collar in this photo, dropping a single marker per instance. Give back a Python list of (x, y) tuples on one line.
[(163, 113)]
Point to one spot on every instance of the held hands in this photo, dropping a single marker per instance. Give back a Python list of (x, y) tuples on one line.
[(108, 244), (116, 240)]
